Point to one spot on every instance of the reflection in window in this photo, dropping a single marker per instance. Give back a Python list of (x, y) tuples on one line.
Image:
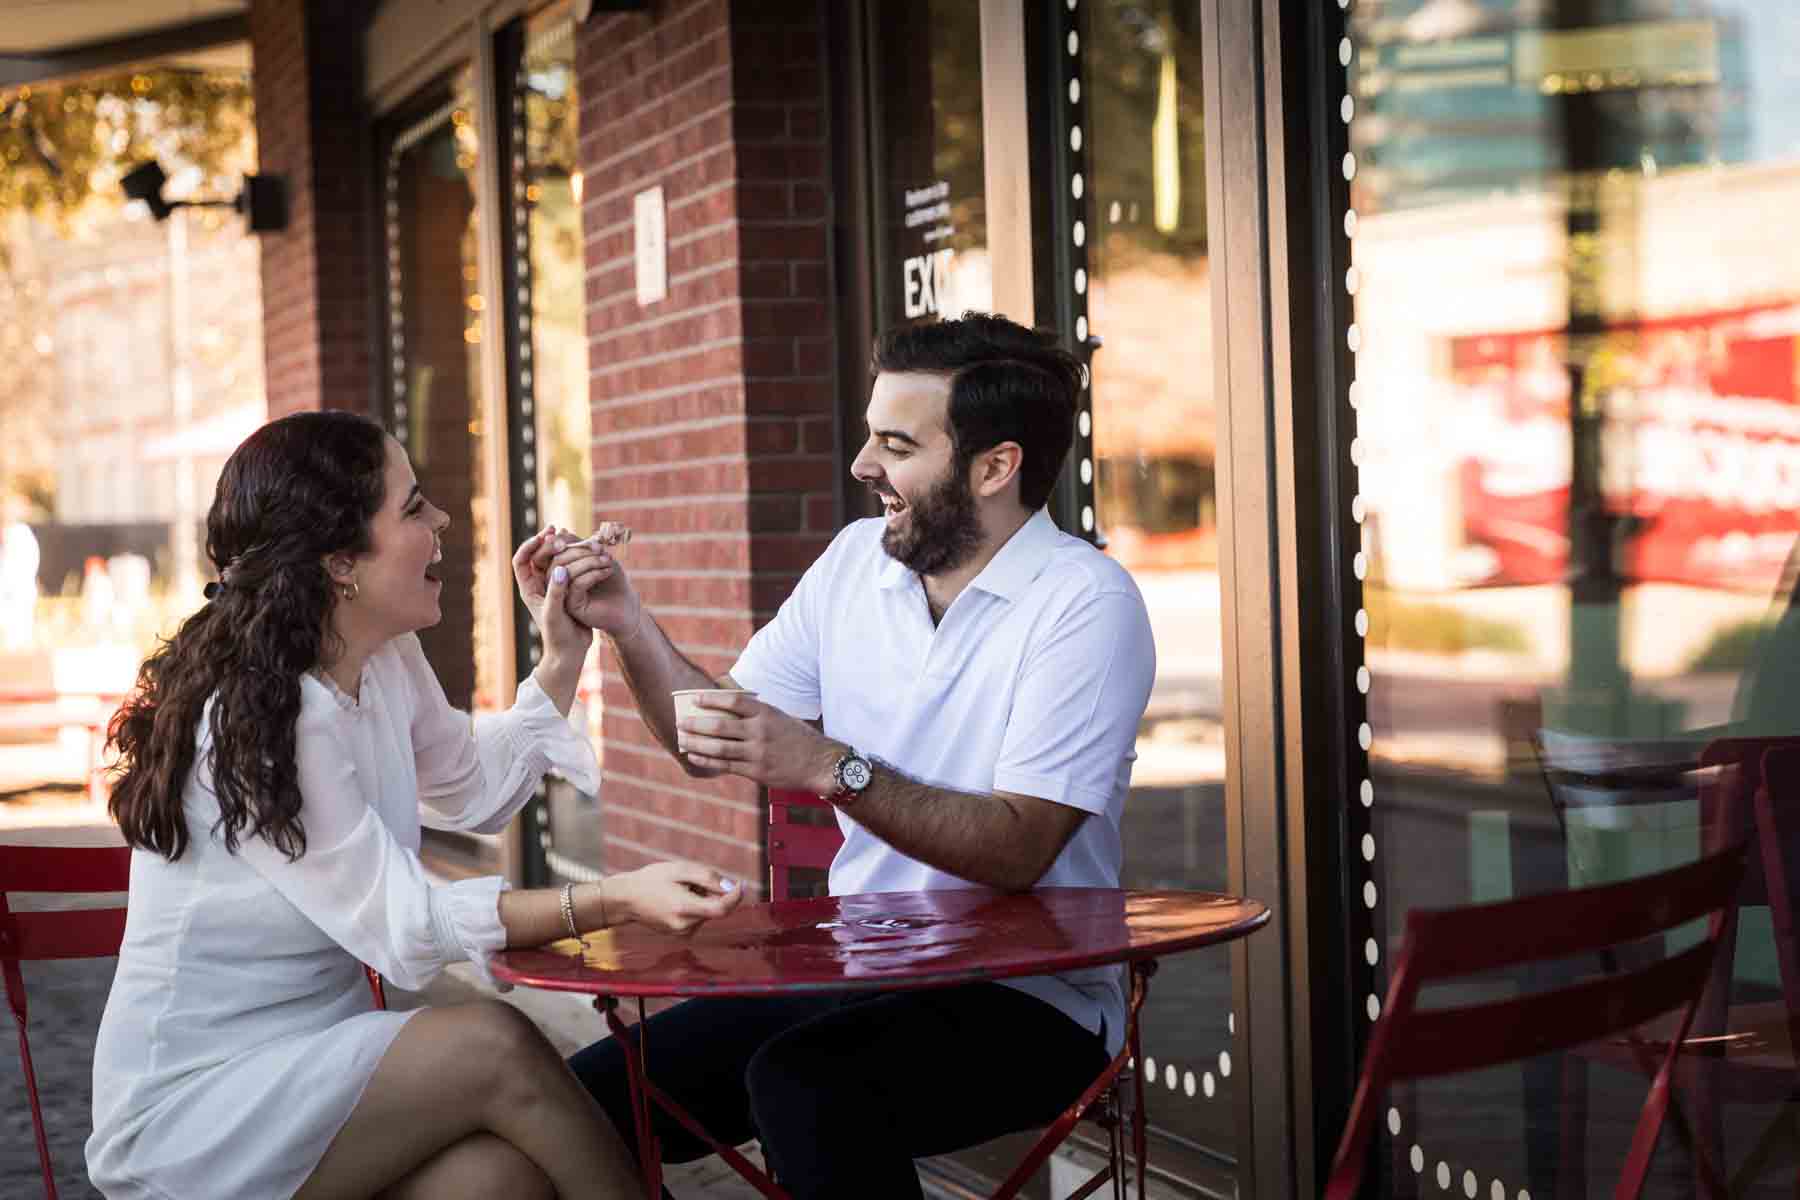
[(1577, 425), (930, 207), (435, 403)]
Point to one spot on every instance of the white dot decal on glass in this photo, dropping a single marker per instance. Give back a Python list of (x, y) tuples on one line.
[(1074, 91), (1362, 680), (1087, 518), (1470, 1184), (1417, 1158), (1368, 847), (1367, 792), (1524, 1195), (1352, 280), (1081, 329), (1356, 509), (1207, 1085), (1344, 51), (1189, 1084), (1353, 337), (1364, 735), (1372, 952), (1343, 4), (1077, 186), (1350, 222), (1074, 42), (1224, 1064), (1356, 451), (1374, 1006), (1087, 470), (1347, 109), (1349, 166), (1369, 894), (1231, 1023), (1394, 1121), (1086, 424), (1075, 137), (1443, 1175), (1115, 212), (1356, 391), (1362, 622), (1150, 1068), (1080, 281), (1080, 233), (1498, 1191), (1170, 1077)]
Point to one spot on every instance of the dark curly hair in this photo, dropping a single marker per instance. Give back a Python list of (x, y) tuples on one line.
[(1007, 384), (298, 489)]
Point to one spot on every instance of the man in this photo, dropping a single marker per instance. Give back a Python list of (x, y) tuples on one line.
[(979, 677)]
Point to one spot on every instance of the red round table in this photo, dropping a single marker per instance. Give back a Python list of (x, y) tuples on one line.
[(885, 941)]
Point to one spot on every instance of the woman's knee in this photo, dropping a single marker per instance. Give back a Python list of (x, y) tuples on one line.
[(505, 1048), (480, 1165)]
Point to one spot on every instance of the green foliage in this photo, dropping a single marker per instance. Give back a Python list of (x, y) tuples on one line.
[(64, 145), (1731, 647), (1436, 628)]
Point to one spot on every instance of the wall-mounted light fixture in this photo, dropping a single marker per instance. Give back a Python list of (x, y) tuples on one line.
[(263, 200)]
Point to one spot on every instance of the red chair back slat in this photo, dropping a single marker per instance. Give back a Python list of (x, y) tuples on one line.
[(1467, 1038), (793, 845), (83, 933), (1486, 937), (64, 868), (1453, 943)]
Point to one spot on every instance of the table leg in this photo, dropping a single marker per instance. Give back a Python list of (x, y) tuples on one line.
[(649, 1152)]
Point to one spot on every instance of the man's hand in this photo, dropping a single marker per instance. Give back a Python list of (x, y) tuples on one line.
[(743, 736), (603, 600), (546, 595)]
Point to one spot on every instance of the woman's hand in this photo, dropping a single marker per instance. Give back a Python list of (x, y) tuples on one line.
[(546, 595), (676, 897), (604, 600)]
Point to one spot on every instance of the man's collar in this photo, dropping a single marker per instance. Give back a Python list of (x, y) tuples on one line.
[(1009, 572)]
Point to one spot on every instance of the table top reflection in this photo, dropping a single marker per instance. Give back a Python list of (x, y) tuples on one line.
[(887, 941)]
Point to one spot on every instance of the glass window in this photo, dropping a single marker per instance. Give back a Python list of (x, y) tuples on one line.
[(1141, 287), (930, 207), (1578, 439), (550, 374), (434, 377)]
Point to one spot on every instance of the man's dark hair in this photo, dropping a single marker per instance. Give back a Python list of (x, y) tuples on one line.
[(1007, 384)]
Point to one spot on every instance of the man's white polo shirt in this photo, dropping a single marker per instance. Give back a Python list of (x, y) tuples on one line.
[(1033, 683)]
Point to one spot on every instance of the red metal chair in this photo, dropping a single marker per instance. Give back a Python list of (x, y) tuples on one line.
[(800, 845), (1735, 1053), (35, 936), (1449, 944)]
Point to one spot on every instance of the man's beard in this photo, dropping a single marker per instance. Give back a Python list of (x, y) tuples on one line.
[(942, 530)]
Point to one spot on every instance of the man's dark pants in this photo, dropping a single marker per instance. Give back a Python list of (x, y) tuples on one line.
[(845, 1090)]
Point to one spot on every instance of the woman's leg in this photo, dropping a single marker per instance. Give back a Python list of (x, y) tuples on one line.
[(479, 1167), (470, 1069)]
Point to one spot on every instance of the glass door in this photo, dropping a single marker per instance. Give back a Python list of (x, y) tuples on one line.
[(1134, 281)]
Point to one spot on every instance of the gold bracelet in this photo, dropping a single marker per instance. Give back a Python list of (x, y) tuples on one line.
[(568, 910)]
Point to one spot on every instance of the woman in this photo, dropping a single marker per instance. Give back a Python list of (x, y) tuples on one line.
[(272, 767)]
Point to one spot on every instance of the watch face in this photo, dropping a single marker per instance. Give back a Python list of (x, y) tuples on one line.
[(855, 773)]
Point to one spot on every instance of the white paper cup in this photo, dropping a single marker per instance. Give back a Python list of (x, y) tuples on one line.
[(687, 704)]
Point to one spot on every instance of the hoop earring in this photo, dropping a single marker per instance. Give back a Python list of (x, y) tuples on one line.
[(349, 590)]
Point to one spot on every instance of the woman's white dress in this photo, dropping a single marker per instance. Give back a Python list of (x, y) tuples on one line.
[(240, 1031)]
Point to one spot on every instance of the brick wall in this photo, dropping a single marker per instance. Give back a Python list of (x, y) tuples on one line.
[(317, 273), (712, 409)]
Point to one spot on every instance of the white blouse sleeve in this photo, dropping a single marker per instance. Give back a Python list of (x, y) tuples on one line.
[(475, 775), (366, 891)]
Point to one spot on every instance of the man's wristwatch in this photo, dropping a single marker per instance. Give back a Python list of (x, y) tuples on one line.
[(853, 774)]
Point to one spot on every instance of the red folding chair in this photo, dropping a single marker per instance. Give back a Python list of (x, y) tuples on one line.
[(1448, 944), (801, 845), (36, 936)]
